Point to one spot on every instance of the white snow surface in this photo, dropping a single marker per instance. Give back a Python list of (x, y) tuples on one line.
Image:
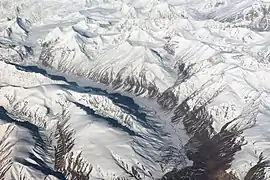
[(78, 38)]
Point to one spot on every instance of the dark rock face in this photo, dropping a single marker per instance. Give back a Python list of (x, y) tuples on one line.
[(188, 173), (255, 18), (184, 72), (168, 100), (133, 84), (211, 152), (257, 172), (18, 53), (136, 84)]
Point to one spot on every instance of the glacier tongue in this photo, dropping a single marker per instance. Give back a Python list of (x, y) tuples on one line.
[(133, 88)]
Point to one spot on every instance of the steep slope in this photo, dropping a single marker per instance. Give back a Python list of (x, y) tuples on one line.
[(111, 131), (151, 84)]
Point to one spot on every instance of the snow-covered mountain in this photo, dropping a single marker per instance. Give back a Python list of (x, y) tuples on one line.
[(134, 89)]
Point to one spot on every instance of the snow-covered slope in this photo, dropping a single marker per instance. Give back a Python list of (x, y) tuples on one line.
[(133, 88)]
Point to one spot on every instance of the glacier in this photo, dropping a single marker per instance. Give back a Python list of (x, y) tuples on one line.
[(134, 89)]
